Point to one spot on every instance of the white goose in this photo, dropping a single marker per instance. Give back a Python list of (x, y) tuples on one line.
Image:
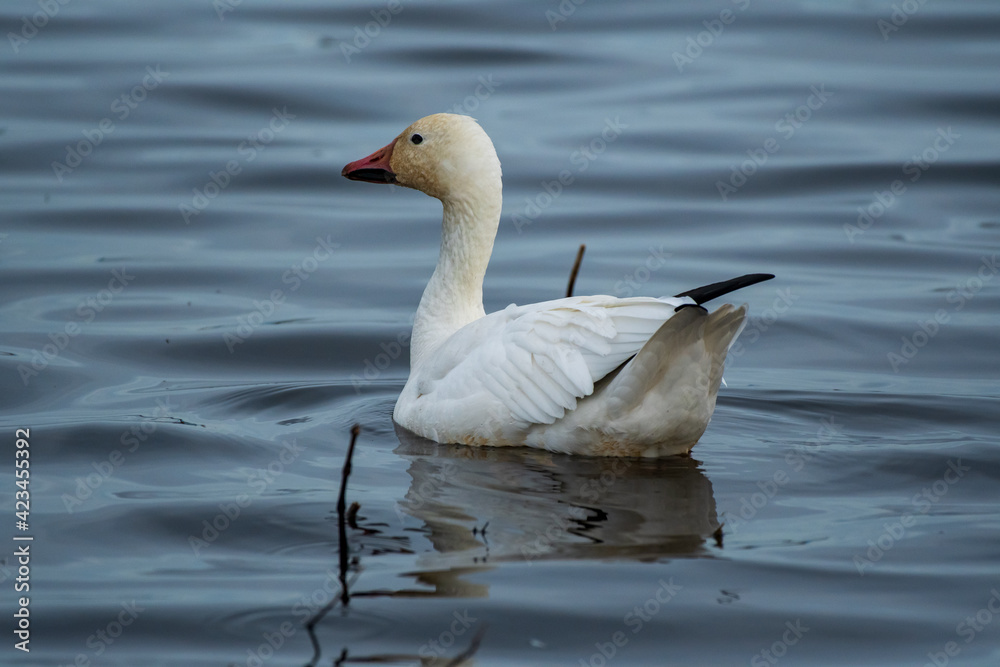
[(593, 375)]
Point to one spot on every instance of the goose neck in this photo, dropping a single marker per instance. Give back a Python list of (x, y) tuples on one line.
[(454, 296)]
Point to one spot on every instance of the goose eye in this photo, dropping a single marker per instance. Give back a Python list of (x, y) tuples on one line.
[(416, 139)]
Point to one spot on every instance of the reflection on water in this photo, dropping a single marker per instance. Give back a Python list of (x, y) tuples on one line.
[(498, 504), (479, 507)]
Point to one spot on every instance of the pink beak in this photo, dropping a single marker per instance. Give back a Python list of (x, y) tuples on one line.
[(372, 169)]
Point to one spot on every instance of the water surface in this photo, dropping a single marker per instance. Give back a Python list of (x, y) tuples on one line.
[(196, 307)]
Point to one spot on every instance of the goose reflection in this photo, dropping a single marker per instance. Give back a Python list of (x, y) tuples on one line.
[(478, 505)]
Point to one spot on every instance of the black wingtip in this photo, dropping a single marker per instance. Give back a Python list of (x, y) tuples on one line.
[(715, 290)]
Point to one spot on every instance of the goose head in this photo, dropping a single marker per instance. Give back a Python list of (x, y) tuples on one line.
[(447, 156)]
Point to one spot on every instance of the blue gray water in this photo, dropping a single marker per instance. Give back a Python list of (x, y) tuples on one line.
[(195, 308)]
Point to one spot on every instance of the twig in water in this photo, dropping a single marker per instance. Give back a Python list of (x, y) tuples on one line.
[(345, 596), (576, 269)]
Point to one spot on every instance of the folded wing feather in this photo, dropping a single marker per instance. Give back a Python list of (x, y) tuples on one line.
[(537, 361)]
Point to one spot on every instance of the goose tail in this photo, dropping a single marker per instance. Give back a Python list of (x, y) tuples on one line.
[(668, 390)]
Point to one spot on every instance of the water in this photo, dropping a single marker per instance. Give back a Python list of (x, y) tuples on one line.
[(197, 307)]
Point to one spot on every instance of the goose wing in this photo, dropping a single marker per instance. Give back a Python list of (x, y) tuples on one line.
[(537, 361)]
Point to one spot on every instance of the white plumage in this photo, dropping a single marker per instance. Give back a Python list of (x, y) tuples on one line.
[(594, 375)]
